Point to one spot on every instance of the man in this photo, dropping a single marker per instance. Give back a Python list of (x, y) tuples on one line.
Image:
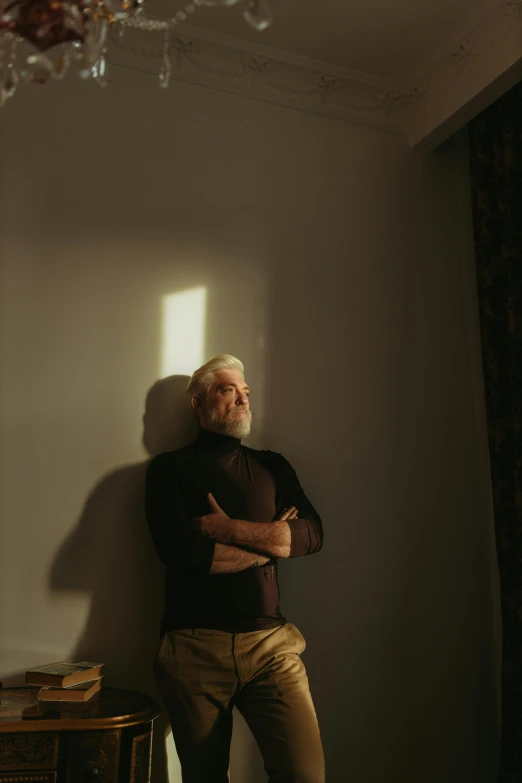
[(221, 515)]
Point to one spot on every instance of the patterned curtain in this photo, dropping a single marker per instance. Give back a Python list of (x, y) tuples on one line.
[(496, 179)]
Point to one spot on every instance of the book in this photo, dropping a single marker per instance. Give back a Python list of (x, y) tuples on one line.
[(81, 692), (64, 674)]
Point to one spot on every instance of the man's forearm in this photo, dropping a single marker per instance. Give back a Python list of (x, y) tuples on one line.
[(231, 559), (270, 539)]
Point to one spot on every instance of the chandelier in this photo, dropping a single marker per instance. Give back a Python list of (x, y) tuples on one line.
[(65, 33)]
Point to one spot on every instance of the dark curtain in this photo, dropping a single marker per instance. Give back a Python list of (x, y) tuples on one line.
[(496, 179)]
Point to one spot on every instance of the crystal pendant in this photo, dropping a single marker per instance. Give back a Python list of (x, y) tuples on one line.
[(166, 67), (9, 83), (61, 65), (37, 69), (8, 72), (100, 70), (258, 14), (164, 76), (93, 45)]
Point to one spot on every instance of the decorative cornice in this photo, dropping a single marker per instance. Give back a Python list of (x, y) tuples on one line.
[(269, 53), (440, 94), (472, 68), (264, 74)]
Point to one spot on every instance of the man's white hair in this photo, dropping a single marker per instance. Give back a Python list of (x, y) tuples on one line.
[(203, 378)]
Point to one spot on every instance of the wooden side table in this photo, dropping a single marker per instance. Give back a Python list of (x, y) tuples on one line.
[(107, 739)]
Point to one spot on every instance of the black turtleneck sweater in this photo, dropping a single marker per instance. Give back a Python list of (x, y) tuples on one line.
[(248, 484)]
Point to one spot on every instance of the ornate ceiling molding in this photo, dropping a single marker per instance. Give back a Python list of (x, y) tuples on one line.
[(427, 107), (264, 74), (473, 67)]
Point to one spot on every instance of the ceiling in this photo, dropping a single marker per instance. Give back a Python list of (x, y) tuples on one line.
[(419, 68), (382, 38)]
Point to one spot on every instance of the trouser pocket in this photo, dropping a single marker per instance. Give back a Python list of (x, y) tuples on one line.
[(162, 651)]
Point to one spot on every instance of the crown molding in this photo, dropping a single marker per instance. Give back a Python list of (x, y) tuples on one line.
[(451, 42), (264, 74), (277, 55), (472, 67)]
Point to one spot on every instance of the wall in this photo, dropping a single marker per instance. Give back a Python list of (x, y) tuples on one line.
[(336, 263)]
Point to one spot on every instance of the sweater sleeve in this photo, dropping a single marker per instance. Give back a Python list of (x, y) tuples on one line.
[(178, 545), (307, 530)]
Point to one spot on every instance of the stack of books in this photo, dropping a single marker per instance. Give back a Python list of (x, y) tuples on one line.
[(66, 681)]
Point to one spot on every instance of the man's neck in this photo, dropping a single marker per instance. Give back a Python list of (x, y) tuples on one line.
[(216, 441)]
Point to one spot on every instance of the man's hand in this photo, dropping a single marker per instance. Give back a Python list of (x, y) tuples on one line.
[(212, 525), (288, 513), (217, 524)]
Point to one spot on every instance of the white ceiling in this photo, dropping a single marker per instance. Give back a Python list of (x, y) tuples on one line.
[(383, 38)]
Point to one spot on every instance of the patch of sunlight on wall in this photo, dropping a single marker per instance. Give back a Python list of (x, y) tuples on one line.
[(182, 352), (184, 320)]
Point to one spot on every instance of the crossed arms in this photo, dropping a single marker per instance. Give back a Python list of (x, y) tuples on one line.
[(216, 544), (241, 544)]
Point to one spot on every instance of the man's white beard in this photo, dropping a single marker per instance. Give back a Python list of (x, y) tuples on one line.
[(235, 425)]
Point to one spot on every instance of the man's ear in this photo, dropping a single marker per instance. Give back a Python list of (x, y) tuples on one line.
[(196, 402)]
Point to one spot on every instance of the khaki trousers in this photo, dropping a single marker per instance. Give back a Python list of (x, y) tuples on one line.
[(203, 674)]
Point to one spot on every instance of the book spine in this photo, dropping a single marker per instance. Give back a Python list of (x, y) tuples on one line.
[(44, 679)]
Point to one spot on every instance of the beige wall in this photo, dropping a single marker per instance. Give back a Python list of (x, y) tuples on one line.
[(337, 264)]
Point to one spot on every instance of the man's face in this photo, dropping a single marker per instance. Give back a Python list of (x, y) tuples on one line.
[(226, 408)]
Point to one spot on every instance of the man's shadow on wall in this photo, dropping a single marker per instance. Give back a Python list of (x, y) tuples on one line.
[(110, 555)]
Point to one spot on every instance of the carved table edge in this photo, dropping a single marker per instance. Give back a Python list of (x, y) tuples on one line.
[(13, 777), (81, 724)]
